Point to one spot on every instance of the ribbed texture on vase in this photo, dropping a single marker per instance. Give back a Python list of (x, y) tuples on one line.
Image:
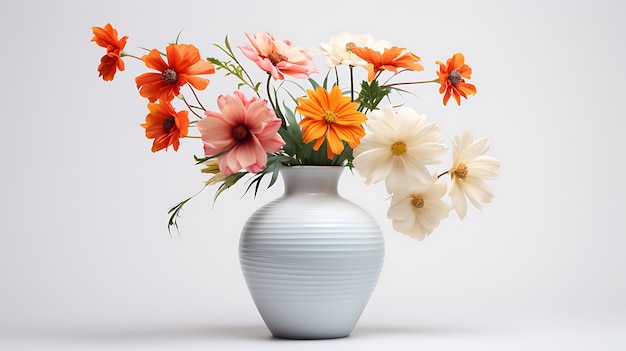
[(317, 254)]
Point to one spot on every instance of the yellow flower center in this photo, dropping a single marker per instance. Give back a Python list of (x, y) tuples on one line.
[(460, 171), (169, 76), (417, 201), (330, 116), (398, 148), (276, 58)]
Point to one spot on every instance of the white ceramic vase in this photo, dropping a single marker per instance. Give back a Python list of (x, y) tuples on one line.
[(311, 258)]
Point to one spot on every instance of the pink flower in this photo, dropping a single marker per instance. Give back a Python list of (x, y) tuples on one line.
[(243, 132), (278, 57)]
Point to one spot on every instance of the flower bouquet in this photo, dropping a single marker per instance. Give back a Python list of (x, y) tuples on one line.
[(334, 120)]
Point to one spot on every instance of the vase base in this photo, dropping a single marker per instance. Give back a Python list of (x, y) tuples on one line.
[(308, 337)]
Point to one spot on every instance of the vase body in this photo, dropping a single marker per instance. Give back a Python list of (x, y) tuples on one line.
[(311, 259)]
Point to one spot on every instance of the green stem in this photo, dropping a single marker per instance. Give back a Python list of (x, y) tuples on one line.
[(267, 88), (436, 80), (125, 54), (191, 107), (196, 96), (351, 83), (228, 51)]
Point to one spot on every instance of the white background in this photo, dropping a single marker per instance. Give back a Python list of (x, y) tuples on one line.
[(86, 261)]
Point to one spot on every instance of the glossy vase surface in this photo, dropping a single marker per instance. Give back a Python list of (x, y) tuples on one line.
[(311, 258)]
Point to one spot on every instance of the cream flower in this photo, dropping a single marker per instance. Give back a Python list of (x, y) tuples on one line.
[(416, 211), (397, 147), (212, 167), (470, 167), (338, 49)]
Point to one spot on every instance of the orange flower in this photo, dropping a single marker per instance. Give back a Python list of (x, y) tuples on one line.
[(112, 60), (183, 64), (165, 126), (451, 77), (391, 59), (330, 116)]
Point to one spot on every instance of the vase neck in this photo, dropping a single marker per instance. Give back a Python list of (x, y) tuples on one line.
[(313, 180)]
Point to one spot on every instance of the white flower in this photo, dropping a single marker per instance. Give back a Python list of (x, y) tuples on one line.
[(338, 52), (397, 147), (470, 167), (418, 210)]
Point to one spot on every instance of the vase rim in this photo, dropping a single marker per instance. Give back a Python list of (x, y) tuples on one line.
[(312, 166), (310, 179)]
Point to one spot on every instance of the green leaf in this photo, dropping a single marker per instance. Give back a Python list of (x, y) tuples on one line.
[(178, 36), (371, 95), (290, 117), (291, 134), (229, 182), (233, 67), (200, 160), (175, 210), (314, 84), (273, 166)]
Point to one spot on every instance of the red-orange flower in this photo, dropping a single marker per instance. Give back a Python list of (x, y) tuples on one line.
[(452, 77), (165, 125), (182, 67), (330, 116), (112, 60), (391, 59)]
